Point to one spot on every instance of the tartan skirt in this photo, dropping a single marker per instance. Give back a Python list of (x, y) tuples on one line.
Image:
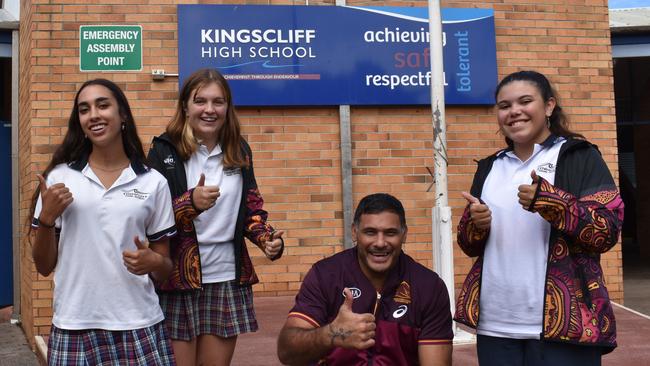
[(90, 347), (224, 309)]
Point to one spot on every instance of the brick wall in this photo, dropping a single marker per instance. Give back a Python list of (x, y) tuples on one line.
[(297, 150), (27, 272), (568, 41)]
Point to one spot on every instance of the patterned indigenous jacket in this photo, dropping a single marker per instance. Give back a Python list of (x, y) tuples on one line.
[(586, 214), (184, 248)]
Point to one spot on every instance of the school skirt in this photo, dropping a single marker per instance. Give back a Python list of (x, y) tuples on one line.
[(224, 309), (145, 346)]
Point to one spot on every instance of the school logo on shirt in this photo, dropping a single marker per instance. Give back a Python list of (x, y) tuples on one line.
[(546, 168), (356, 293), (232, 171), (134, 193), (403, 293), (169, 161)]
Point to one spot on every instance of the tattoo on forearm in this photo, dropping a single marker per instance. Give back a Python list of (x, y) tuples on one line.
[(333, 333)]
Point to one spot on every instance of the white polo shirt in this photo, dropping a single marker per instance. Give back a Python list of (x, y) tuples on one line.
[(215, 227), (516, 253), (93, 288)]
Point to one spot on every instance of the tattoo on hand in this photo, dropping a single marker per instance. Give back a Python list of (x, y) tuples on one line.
[(338, 333)]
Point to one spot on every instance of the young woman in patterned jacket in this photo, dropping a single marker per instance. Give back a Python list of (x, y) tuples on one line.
[(539, 214), (208, 299)]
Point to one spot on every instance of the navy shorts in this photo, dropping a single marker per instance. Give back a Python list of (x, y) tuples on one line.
[(497, 351)]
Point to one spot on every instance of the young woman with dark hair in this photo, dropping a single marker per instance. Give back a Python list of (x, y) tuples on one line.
[(95, 204), (539, 214)]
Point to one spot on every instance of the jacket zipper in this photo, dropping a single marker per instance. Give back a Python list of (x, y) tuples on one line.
[(374, 313)]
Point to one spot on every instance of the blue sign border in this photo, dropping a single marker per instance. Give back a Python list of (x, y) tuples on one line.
[(282, 55)]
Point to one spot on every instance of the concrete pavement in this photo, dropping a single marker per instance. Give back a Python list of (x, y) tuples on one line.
[(259, 348), (14, 349)]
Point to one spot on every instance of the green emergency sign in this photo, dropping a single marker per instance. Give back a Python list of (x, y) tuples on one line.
[(110, 48)]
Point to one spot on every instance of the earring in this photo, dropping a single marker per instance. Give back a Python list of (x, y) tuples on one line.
[(123, 126), (548, 122)]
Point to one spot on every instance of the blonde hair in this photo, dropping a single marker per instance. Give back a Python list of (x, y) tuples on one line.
[(229, 136)]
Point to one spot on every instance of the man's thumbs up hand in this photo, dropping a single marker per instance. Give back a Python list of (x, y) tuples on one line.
[(350, 330)]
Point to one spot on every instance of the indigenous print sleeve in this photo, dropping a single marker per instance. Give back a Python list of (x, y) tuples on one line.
[(184, 209), (471, 239), (594, 219), (256, 228)]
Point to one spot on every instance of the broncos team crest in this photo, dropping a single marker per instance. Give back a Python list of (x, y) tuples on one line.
[(403, 293)]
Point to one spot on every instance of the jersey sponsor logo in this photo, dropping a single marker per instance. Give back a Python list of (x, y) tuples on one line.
[(403, 293), (134, 193), (356, 293), (401, 310), (546, 168), (169, 161), (232, 171)]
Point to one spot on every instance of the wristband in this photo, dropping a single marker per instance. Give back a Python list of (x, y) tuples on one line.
[(41, 223)]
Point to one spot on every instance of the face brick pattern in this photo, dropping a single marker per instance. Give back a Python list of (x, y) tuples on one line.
[(297, 151)]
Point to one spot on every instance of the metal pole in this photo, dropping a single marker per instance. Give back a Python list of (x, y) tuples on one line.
[(442, 241), (441, 213), (346, 167), (346, 173)]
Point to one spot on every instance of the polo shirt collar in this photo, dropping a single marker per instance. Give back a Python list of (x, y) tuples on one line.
[(215, 151), (550, 141), (79, 164)]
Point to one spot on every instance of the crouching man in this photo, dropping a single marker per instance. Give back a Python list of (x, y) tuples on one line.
[(371, 304)]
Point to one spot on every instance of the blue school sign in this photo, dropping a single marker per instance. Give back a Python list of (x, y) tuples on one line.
[(333, 55)]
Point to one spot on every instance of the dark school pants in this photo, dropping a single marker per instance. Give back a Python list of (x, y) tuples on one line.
[(496, 351)]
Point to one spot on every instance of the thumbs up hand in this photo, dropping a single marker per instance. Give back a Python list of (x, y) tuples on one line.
[(479, 212), (55, 199), (351, 330), (204, 196), (527, 192), (274, 244), (142, 260)]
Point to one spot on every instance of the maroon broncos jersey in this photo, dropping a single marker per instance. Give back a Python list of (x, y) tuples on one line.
[(413, 308)]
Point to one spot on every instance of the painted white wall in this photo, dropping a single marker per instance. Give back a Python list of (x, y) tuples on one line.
[(13, 7)]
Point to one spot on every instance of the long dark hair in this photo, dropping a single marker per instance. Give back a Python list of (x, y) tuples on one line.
[(75, 145), (559, 121), (229, 135)]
